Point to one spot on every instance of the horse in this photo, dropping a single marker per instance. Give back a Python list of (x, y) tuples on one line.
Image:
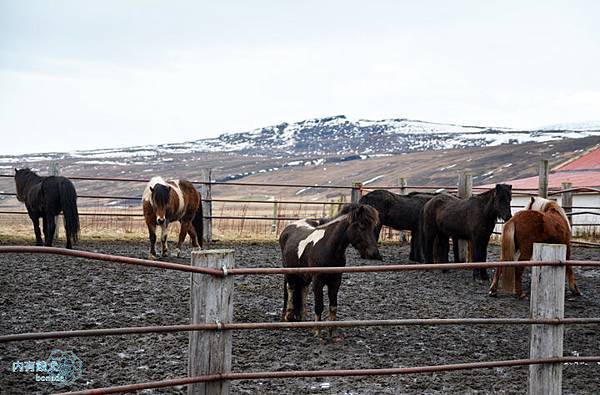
[(400, 212), (543, 221), (471, 219), (169, 201), (47, 197), (307, 243)]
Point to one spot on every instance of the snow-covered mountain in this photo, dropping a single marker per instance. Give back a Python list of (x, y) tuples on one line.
[(337, 135)]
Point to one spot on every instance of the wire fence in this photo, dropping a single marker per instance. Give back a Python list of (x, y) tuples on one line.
[(262, 218)]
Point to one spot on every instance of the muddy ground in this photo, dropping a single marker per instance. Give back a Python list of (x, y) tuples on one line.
[(45, 293)]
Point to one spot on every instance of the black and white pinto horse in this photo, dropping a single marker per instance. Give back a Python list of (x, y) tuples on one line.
[(471, 219), (47, 197), (170, 201), (308, 243)]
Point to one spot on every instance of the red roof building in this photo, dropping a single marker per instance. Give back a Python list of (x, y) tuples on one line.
[(582, 171)]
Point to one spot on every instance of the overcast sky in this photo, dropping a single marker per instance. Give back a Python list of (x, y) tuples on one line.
[(93, 74)]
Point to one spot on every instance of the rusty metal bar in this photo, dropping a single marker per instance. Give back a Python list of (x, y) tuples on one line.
[(106, 258), (333, 373), (293, 325), (409, 267), (280, 270)]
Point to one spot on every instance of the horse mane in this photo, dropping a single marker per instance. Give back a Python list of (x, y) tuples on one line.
[(537, 203), (361, 213), (147, 196)]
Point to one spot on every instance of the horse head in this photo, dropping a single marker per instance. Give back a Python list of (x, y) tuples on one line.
[(20, 181), (362, 220), (160, 200), (502, 198)]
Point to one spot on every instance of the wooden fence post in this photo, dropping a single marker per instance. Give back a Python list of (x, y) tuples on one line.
[(547, 301), (543, 179), (567, 200), (54, 170), (402, 184), (211, 302), (356, 193), (275, 215), (206, 192), (465, 191)]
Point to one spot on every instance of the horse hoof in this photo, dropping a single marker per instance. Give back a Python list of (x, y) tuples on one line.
[(177, 253), (152, 257), (165, 254), (492, 294), (523, 296), (576, 292)]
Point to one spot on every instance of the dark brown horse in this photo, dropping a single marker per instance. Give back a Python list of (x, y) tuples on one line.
[(471, 219), (548, 225), (46, 197), (305, 243), (400, 212), (165, 202)]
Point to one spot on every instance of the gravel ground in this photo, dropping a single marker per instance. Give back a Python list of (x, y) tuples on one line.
[(44, 293)]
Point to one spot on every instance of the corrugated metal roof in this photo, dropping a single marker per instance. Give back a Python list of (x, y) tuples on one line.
[(577, 178), (589, 161)]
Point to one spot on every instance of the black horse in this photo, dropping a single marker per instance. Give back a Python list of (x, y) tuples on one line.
[(471, 219), (307, 243), (400, 212), (46, 197)]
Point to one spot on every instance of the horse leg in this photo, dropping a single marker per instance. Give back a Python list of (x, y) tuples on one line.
[(36, 230), (163, 239), (494, 287), (428, 241), (377, 231), (50, 228), (287, 313), (519, 293), (480, 255), (183, 230), (572, 284), (332, 292), (456, 251), (193, 237), (152, 237), (318, 295)]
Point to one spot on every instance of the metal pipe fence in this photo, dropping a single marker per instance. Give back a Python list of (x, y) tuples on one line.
[(277, 325)]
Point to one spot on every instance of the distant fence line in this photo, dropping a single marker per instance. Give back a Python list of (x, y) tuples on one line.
[(357, 189)]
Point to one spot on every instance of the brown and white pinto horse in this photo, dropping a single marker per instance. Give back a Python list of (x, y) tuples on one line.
[(169, 201), (543, 221), (308, 243)]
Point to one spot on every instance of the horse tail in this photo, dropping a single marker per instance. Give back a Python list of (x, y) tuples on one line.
[(508, 242), (197, 222), (507, 277), (68, 202)]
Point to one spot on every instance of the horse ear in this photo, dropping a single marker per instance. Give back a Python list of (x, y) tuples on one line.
[(151, 189), (16, 170)]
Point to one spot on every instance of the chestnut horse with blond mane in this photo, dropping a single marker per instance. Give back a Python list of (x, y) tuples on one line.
[(543, 221)]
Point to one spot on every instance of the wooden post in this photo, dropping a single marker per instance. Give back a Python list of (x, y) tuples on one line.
[(567, 200), (275, 214), (206, 193), (356, 193), (543, 179), (54, 170), (211, 302), (402, 184), (465, 191), (547, 301)]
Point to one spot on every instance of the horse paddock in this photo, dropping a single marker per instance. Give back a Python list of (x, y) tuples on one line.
[(47, 292)]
